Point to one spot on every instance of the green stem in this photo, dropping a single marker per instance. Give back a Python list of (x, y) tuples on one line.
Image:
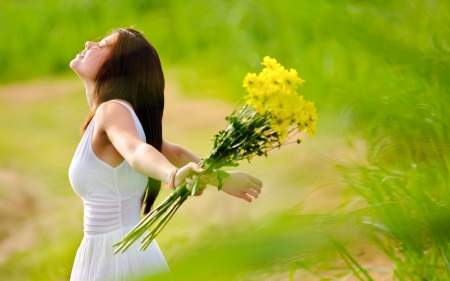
[(162, 223), (149, 219)]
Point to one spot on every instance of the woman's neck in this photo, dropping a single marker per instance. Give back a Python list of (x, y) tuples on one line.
[(90, 87)]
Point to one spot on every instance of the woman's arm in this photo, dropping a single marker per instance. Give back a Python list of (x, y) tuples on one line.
[(239, 184), (178, 155), (116, 122)]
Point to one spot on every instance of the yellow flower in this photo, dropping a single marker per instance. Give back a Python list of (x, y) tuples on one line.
[(280, 127), (287, 81), (273, 92), (294, 80), (270, 63), (283, 135), (311, 130), (273, 77), (250, 81)]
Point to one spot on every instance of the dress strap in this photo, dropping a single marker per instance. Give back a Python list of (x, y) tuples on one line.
[(126, 105), (137, 123)]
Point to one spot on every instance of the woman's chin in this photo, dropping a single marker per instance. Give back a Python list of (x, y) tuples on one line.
[(75, 63)]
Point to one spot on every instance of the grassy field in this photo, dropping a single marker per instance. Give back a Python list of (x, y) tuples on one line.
[(365, 199)]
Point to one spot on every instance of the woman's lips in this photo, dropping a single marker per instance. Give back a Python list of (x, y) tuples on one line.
[(81, 54)]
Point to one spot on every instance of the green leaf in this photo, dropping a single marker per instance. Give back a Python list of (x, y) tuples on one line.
[(220, 176)]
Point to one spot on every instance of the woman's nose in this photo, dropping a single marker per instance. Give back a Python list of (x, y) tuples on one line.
[(88, 45)]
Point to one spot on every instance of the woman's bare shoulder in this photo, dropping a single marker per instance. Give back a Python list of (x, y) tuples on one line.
[(113, 112)]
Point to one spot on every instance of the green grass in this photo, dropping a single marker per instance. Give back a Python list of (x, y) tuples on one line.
[(339, 47)]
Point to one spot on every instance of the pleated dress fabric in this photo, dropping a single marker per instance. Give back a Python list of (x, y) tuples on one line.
[(112, 204)]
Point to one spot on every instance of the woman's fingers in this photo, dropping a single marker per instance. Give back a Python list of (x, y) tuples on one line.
[(186, 171), (198, 193), (246, 197), (196, 168), (256, 181), (200, 185), (255, 187), (205, 179), (253, 193)]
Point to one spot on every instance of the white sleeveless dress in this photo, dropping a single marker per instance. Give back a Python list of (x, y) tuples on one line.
[(112, 204)]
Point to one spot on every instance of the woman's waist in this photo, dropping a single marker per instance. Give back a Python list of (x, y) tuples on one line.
[(104, 232), (102, 217)]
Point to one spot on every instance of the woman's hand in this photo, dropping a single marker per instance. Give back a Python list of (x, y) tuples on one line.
[(203, 181), (242, 185), (238, 184), (189, 173)]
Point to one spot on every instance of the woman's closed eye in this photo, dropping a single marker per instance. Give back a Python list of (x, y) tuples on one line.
[(96, 46)]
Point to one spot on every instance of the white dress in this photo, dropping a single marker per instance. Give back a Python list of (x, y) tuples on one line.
[(112, 204)]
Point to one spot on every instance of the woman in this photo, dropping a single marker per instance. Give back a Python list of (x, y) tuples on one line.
[(122, 155)]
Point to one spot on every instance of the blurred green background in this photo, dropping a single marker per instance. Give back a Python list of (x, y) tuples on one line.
[(367, 198)]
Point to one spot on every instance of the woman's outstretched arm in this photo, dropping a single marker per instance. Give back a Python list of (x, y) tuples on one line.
[(115, 125), (178, 155), (239, 184)]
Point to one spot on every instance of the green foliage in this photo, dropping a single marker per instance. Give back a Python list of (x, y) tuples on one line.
[(47, 261), (406, 181), (404, 122), (337, 47), (251, 250)]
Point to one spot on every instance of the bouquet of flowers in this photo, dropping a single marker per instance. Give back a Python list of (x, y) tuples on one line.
[(272, 112)]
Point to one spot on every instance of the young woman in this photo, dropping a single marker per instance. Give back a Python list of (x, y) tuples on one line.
[(122, 157)]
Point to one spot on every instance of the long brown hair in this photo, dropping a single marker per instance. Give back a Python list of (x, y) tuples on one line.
[(132, 72)]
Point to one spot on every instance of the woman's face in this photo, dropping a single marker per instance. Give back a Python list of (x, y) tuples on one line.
[(88, 62)]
